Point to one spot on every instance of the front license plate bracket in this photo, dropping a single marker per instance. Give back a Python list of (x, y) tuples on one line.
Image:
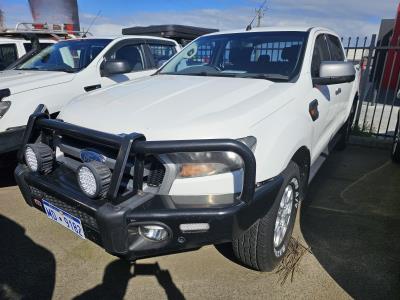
[(64, 218)]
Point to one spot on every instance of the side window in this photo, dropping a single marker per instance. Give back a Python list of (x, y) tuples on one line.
[(161, 53), (131, 53), (320, 54), (335, 48), (8, 54)]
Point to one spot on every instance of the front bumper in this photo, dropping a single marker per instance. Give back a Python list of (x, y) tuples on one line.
[(11, 139), (113, 222), (114, 227)]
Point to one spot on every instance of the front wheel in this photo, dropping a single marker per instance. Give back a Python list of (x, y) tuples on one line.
[(264, 244), (396, 142)]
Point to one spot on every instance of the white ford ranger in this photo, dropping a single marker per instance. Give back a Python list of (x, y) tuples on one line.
[(218, 146), (70, 68)]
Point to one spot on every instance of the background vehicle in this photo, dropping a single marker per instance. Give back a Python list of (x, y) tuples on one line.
[(69, 68), (16, 42), (183, 34), (218, 146)]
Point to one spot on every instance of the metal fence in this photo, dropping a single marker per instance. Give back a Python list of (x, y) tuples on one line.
[(380, 79)]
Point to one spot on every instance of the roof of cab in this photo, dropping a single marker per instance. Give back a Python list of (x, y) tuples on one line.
[(125, 37), (7, 39), (272, 29)]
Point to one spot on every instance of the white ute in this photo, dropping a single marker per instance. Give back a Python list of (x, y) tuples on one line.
[(218, 146), (69, 68)]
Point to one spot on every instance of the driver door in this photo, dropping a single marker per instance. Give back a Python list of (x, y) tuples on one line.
[(321, 98)]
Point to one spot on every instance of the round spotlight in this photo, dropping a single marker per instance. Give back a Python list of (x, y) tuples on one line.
[(94, 179), (39, 158), (154, 232)]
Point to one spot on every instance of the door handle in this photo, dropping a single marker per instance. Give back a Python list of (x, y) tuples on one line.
[(313, 110), (92, 87), (338, 91)]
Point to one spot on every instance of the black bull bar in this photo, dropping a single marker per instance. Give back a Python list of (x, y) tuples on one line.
[(119, 211)]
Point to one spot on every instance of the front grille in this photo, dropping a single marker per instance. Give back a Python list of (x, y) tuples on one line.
[(85, 218), (153, 168), (156, 174)]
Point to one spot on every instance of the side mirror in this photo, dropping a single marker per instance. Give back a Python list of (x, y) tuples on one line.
[(335, 72), (113, 67), (398, 94)]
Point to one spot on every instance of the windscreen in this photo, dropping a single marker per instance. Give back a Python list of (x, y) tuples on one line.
[(276, 56), (65, 56)]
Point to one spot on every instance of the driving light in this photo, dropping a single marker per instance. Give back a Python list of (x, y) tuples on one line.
[(94, 179), (154, 232), (199, 164), (39, 158), (194, 227)]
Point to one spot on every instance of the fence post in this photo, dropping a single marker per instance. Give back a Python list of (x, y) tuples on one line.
[(364, 80)]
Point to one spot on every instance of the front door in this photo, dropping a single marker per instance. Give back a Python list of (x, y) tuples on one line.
[(323, 97), (342, 91)]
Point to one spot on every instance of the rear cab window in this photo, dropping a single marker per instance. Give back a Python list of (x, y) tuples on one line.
[(8, 55), (161, 52), (204, 54)]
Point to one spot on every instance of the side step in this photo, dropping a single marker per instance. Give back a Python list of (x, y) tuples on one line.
[(317, 165), (324, 155)]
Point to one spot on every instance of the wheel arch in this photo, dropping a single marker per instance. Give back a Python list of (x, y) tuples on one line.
[(302, 158)]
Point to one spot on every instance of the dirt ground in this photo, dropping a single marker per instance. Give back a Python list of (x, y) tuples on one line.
[(350, 219)]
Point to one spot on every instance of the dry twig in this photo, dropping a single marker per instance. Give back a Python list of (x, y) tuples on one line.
[(290, 263)]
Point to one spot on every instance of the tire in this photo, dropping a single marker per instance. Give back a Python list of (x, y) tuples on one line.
[(256, 248), (396, 142), (345, 131)]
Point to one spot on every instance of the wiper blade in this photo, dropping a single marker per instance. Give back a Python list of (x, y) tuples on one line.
[(217, 74), (48, 70), (272, 77), (27, 69), (63, 70)]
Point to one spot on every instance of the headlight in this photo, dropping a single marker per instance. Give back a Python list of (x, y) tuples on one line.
[(198, 164), (94, 179), (39, 158), (4, 107)]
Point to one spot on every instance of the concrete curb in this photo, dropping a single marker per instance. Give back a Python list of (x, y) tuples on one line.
[(372, 142)]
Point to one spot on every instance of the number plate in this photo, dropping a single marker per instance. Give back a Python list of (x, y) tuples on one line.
[(65, 219)]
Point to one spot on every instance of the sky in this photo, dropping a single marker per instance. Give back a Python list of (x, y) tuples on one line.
[(347, 17)]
